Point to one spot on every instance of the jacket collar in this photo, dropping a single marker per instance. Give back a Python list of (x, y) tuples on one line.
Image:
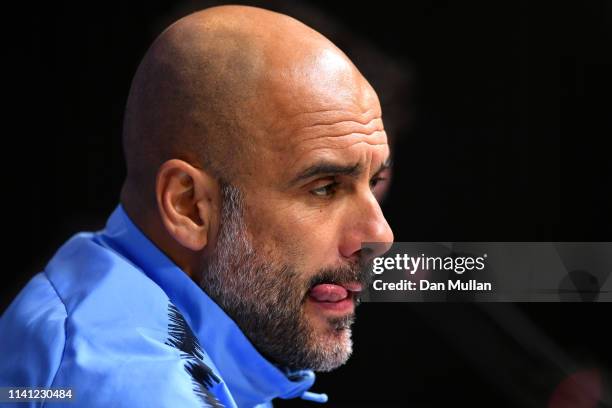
[(250, 378)]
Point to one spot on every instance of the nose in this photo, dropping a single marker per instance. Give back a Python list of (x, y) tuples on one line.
[(366, 224)]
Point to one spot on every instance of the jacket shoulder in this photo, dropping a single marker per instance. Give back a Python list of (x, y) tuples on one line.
[(33, 335)]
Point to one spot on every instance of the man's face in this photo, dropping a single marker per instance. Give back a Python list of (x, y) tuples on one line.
[(287, 261)]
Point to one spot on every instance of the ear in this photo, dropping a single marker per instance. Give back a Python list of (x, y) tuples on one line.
[(188, 203)]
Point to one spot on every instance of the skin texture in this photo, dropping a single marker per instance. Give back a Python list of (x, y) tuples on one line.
[(240, 101)]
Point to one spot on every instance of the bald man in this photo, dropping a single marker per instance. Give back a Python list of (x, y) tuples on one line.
[(230, 270)]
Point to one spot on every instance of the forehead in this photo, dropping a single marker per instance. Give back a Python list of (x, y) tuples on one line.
[(340, 134), (340, 121)]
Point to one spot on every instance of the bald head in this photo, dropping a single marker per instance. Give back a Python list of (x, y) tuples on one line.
[(215, 83)]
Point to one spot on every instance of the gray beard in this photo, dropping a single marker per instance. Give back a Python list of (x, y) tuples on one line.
[(266, 299)]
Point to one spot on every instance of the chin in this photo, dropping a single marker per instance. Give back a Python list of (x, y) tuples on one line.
[(333, 348)]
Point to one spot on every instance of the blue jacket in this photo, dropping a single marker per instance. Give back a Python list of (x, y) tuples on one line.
[(115, 320)]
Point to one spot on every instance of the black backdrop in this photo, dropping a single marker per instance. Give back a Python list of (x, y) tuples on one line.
[(510, 117)]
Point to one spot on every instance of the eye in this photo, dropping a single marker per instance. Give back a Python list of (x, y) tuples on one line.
[(375, 180), (326, 190)]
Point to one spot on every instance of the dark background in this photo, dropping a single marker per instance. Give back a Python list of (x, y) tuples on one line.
[(501, 116)]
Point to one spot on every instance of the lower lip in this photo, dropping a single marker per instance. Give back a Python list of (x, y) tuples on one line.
[(342, 306)]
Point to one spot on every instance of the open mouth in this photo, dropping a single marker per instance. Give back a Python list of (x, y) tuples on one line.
[(338, 297)]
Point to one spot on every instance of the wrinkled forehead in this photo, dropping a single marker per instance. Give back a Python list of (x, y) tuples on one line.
[(323, 109), (311, 103)]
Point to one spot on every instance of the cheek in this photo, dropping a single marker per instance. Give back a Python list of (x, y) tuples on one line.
[(308, 243)]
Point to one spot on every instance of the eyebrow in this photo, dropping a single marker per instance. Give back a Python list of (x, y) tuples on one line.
[(327, 168), (384, 166)]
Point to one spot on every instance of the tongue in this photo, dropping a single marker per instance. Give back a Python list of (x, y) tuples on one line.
[(327, 292)]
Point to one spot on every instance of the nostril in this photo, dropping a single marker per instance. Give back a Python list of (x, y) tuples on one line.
[(366, 253), (373, 249)]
